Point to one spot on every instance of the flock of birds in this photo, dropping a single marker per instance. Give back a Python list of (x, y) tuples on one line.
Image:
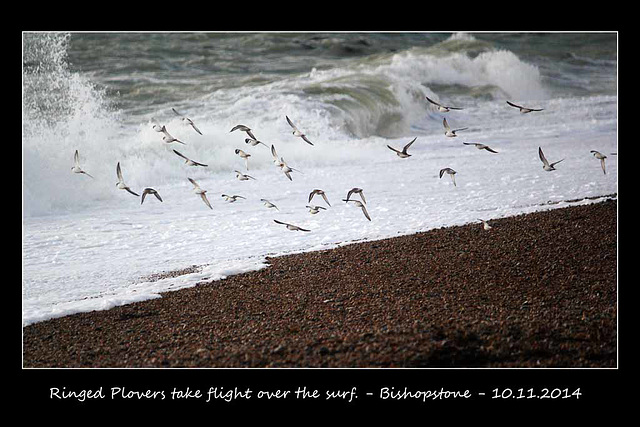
[(286, 169)]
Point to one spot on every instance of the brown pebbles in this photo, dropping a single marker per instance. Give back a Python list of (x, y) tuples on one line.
[(537, 290)]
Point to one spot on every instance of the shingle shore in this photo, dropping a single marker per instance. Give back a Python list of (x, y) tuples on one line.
[(537, 290)]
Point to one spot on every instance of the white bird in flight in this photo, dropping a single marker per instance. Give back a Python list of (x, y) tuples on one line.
[(76, 167), (321, 193), (545, 164), (361, 206), (442, 108), (244, 128), (188, 161), (254, 142), (156, 125), (150, 191), (403, 154), (451, 173), (524, 110), (120, 184), (356, 191), (600, 156), (296, 131), (269, 204), (448, 131), (199, 191), (290, 226), (168, 138), (245, 156), (243, 177), (480, 146), (187, 121), (232, 199), (315, 209)]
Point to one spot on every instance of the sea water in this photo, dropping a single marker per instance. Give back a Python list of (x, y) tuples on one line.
[(88, 245)]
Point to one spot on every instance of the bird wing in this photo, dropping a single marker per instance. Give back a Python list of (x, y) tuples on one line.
[(76, 158), (406, 147), (273, 152), (513, 105), (324, 196), (433, 102), (313, 193), (155, 193), (364, 211), (305, 138), (446, 125), (144, 194), (490, 149), (248, 131), (602, 164), (195, 184), (349, 194), (291, 123), (119, 172), (205, 200), (180, 154), (280, 222), (132, 192), (542, 157), (178, 114), (555, 163), (194, 127), (391, 148)]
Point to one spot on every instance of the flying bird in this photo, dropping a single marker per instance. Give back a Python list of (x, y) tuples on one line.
[(245, 156), (447, 130), (286, 169), (480, 146), (321, 193), (451, 173), (199, 191), (243, 128), (296, 131), (485, 224), (187, 121), (120, 184), (243, 177), (360, 205), (269, 204), (276, 160), (600, 156), (315, 209), (356, 191), (156, 125), (442, 108), (524, 110), (188, 161), (150, 191), (545, 164), (403, 154), (254, 142), (168, 138), (232, 199), (76, 167), (290, 226)]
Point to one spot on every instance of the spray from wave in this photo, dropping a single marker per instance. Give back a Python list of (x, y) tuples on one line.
[(362, 99)]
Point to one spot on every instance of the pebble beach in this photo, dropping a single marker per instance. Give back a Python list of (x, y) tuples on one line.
[(536, 290)]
